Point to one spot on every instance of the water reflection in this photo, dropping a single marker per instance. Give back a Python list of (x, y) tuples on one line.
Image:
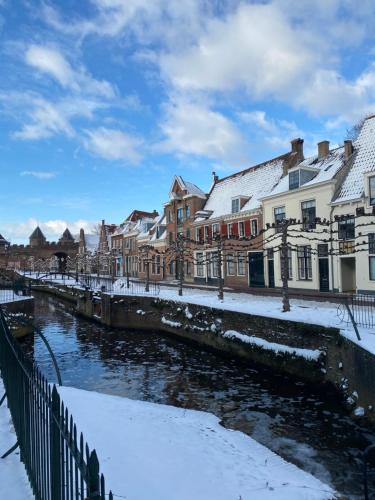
[(306, 427)]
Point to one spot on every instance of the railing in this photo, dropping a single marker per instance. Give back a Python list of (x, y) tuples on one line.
[(358, 309), (58, 462)]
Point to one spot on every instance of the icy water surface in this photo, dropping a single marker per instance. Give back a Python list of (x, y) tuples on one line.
[(306, 427)]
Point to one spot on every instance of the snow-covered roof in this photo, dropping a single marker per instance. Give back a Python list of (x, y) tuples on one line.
[(252, 183), (364, 147), (190, 188), (326, 167)]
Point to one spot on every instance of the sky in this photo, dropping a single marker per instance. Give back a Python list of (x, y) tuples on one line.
[(102, 102)]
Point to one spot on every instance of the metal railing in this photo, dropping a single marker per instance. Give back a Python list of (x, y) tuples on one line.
[(58, 462), (358, 309)]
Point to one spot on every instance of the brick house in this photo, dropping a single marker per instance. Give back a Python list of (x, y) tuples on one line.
[(152, 245), (234, 211), (185, 200)]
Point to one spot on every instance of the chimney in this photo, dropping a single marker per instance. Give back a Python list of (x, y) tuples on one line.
[(348, 148), (323, 149), (103, 222), (215, 177), (297, 147)]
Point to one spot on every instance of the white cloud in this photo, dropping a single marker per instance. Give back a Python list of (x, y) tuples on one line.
[(113, 144), (39, 174), (52, 62), (19, 232), (194, 129)]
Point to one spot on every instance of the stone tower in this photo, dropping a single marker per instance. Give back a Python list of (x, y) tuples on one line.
[(37, 238)]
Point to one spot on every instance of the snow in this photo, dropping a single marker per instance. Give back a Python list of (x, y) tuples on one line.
[(252, 183), (309, 354), (359, 411), (14, 484), (7, 296), (148, 450), (174, 324), (353, 185)]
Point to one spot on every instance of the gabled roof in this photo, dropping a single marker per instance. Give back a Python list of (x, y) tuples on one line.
[(37, 234), (190, 188), (3, 240), (364, 161), (252, 183), (67, 235), (327, 168), (138, 214)]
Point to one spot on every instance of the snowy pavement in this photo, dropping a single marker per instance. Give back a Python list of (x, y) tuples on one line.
[(148, 450), (14, 484)]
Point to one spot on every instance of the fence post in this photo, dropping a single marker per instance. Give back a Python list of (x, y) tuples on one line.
[(93, 492), (55, 452)]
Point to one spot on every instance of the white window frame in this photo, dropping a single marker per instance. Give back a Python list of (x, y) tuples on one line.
[(241, 229), (252, 221), (241, 257), (237, 201)]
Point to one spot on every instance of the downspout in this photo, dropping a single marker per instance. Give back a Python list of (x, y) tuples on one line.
[(331, 248)]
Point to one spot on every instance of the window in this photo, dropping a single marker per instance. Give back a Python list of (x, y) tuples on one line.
[(169, 215), (304, 263), (197, 234), (372, 190), (241, 264), (241, 229), (170, 238), (187, 268), (214, 265), (200, 269), (230, 229), (279, 215), (371, 251), (300, 177), (290, 264), (158, 264), (294, 180), (188, 234), (235, 205), (215, 229), (180, 215), (254, 227), (187, 210), (230, 265), (206, 233), (153, 264), (308, 214), (346, 229)]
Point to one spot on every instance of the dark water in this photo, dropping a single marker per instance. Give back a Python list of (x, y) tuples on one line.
[(306, 427)]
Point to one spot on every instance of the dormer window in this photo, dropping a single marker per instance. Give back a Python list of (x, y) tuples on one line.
[(372, 190), (235, 205), (301, 176)]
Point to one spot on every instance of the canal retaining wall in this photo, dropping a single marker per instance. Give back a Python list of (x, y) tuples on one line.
[(315, 353)]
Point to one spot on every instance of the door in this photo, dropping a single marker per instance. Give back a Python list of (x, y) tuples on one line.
[(323, 268), (271, 268), (256, 269)]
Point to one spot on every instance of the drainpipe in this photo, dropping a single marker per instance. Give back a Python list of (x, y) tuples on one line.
[(331, 248)]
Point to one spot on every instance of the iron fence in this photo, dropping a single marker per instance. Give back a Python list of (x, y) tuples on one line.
[(358, 309), (58, 462)]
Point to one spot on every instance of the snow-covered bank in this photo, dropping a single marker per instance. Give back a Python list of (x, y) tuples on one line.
[(7, 296), (14, 484), (166, 453)]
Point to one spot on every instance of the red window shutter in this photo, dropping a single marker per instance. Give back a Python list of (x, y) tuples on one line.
[(209, 232), (224, 230), (235, 228), (201, 234), (247, 228)]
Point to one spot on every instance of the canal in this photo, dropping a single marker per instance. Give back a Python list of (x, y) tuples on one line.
[(309, 428)]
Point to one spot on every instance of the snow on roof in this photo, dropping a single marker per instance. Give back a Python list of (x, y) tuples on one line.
[(327, 169), (189, 187), (364, 161), (252, 183)]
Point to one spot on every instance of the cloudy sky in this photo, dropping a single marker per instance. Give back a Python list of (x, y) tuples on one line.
[(103, 101)]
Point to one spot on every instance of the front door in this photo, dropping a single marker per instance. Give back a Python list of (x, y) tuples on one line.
[(271, 268), (256, 269), (323, 268)]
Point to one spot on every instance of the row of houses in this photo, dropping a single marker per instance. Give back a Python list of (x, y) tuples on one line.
[(328, 200)]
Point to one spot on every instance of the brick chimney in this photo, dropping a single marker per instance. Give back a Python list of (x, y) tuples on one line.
[(215, 177), (348, 149), (323, 149), (297, 147)]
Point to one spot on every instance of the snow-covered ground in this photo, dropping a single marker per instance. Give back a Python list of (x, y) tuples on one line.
[(14, 484), (7, 296), (161, 452)]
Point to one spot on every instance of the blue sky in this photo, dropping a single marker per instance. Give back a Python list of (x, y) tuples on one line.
[(103, 101)]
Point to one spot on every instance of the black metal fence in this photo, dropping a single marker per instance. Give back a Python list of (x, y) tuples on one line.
[(58, 462), (358, 309)]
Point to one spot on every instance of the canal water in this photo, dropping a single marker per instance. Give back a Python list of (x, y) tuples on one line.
[(309, 428)]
